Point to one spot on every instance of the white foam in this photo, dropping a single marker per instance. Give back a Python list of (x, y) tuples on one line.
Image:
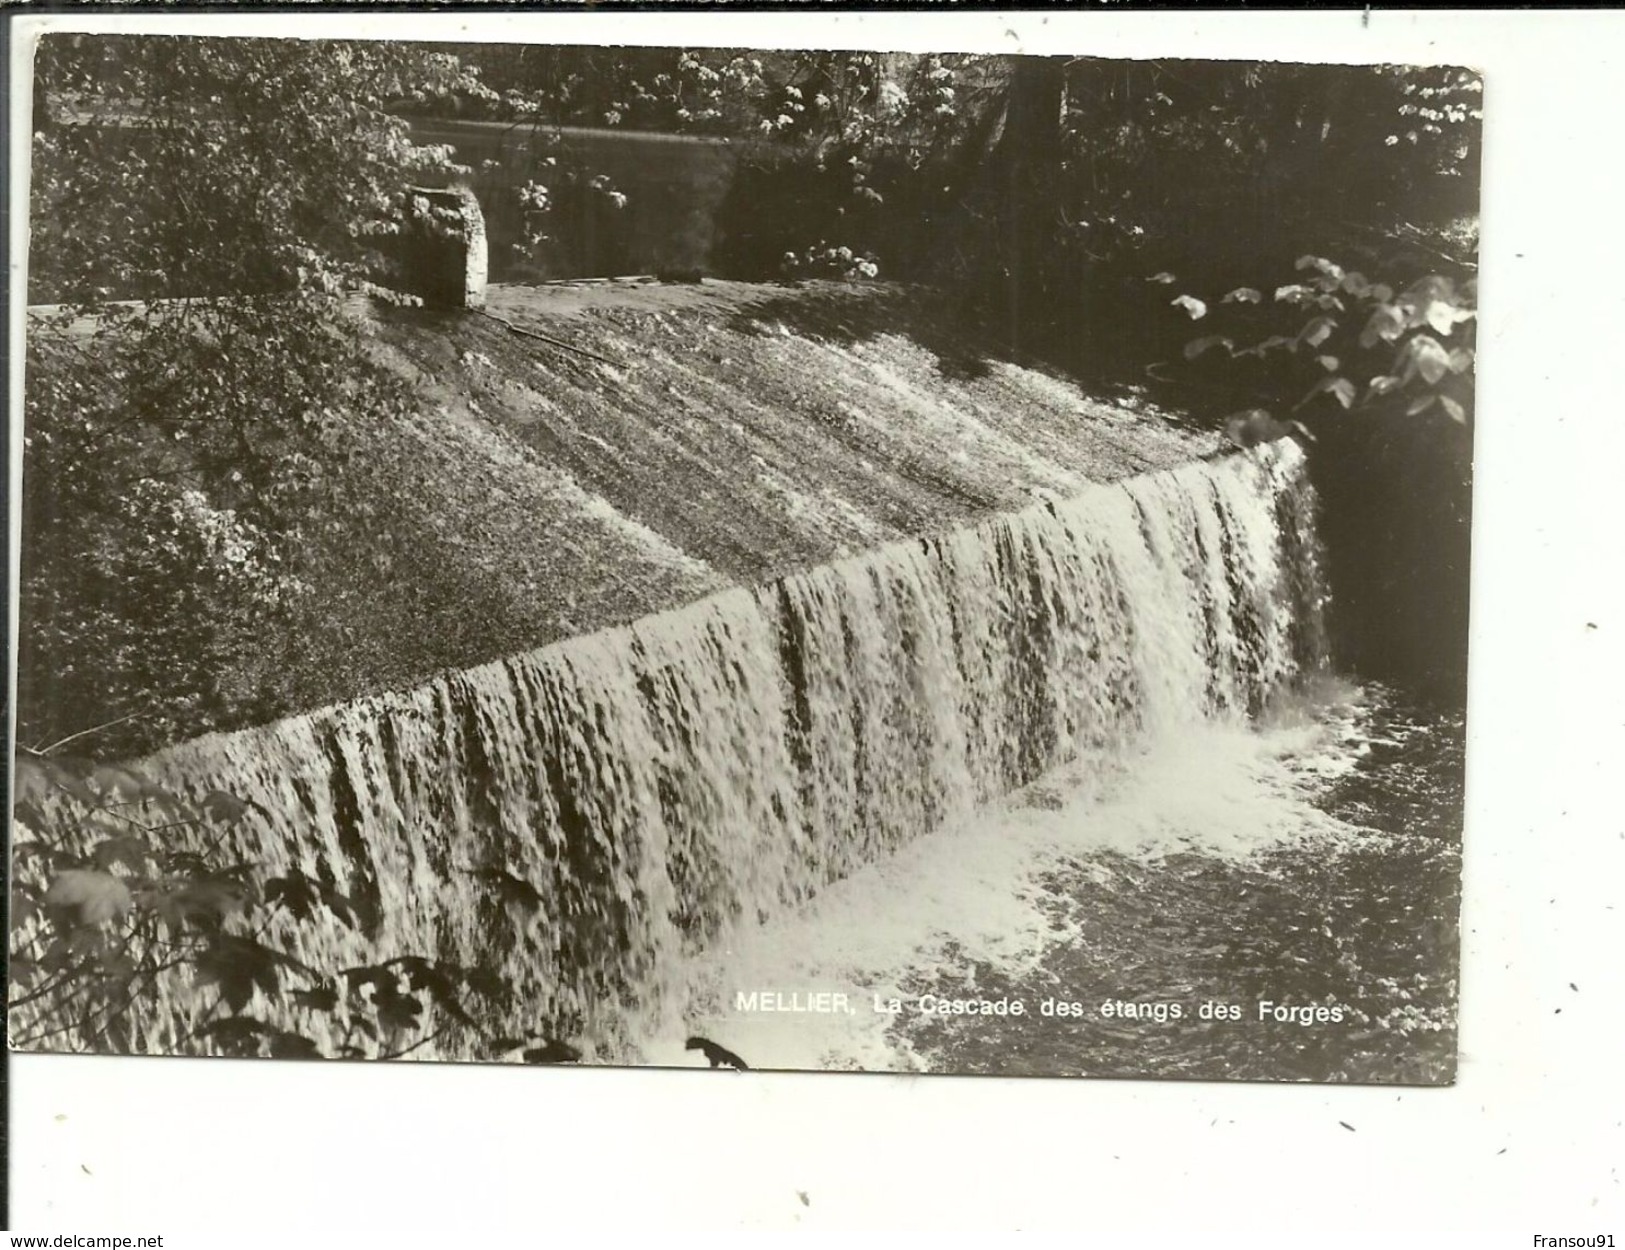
[(975, 894)]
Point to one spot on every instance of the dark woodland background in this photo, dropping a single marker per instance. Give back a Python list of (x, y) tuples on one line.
[(188, 497)]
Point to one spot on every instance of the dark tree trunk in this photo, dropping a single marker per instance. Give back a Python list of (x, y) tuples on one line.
[(1026, 164)]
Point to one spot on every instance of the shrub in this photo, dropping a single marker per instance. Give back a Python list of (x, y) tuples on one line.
[(134, 930)]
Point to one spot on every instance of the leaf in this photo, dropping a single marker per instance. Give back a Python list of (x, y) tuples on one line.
[(32, 780), (239, 966), (123, 784), (87, 897), (29, 816), (521, 894), (509, 888), (1461, 359), (293, 1046), (1425, 355), (22, 909), (397, 1010), (1317, 330), (1386, 324), (224, 808), (1164, 277), (1420, 404), (295, 892), (420, 974), (486, 982), (1296, 293), (1341, 389), (205, 902), (1458, 414), (1355, 283), (1440, 315), (1382, 384), (1196, 347), (1243, 295), (57, 956), (1195, 307), (1328, 363), (552, 1051), (1274, 340), (38, 776), (339, 904), (238, 1035), (1321, 265), (1426, 290), (321, 998), (375, 975), (128, 849), (1251, 427), (243, 1035)]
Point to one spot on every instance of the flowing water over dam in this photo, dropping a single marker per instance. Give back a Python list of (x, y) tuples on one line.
[(634, 824), (1309, 862)]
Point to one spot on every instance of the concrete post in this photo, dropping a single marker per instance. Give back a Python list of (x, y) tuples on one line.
[(446, 261)]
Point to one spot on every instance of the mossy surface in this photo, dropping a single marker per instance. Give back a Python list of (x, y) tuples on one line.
[(583, 454)]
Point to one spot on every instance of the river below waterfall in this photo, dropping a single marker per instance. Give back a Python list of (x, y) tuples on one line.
[(1066, 792), (1308, 861)]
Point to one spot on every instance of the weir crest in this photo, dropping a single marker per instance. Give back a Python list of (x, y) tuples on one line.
[(586, 816)]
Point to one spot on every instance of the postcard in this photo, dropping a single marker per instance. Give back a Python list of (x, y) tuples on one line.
[(744, 560)]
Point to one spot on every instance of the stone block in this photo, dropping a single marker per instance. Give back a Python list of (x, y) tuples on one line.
[(444, 254)]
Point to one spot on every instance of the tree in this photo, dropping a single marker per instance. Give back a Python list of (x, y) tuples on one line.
[(180, 167), (181, 450), (811, 131)]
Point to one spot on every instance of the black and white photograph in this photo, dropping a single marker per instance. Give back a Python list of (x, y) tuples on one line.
[(735, 559)]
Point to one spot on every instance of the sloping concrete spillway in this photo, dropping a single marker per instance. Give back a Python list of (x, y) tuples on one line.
[(902, 597)]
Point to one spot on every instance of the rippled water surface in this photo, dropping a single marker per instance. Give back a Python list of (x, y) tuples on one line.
[(1082, 754), (1311, 862)]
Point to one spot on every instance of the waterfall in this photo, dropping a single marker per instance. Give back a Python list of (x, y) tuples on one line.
[(660, 783)]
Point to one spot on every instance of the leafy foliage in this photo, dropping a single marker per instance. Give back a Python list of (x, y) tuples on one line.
[(823, 260), (1338, 337), (572, 201), (131, 931), (181, 465), (829, 98), (194, 464), (1271, 146), (833, 118), (1377, 370), (184, 167), (182, 452)]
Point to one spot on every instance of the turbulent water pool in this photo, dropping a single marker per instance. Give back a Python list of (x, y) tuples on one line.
[(1143, 910), (1065, 792)]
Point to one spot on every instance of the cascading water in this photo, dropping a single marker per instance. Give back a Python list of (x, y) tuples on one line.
[(667, 786)]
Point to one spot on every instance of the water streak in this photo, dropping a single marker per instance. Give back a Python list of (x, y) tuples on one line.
[(661, 784)]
